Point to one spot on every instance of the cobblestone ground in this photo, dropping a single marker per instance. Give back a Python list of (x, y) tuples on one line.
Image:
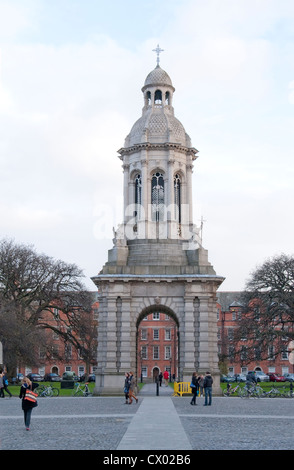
[(99, 423), (236, 424)]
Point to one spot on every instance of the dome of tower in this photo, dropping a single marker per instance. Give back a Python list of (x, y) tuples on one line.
[(157, 127), (158, 123), (158, 77)]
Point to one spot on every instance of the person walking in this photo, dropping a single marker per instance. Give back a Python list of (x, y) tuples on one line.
[(5, 384), (26, 404), (207, 385), (132, 385), (126, 387), (1, 384), (165, 376), (160, 379), (201, 382), (195, 389)]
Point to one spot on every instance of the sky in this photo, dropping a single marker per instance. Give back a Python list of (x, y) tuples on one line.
[(71, 73)]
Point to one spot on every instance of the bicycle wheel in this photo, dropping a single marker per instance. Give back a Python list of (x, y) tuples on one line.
[(40, 391), (77, 393), (258, 392), (244, 393), (55, 392)]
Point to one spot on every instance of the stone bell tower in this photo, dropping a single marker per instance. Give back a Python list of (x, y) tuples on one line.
[(157, 263)]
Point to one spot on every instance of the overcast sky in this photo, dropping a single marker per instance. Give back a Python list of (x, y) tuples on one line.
[(71, 73)]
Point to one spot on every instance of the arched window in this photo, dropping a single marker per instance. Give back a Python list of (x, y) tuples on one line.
[(157, 197), (177, 197), (148, 98), (167, 98), (158, 97), (138, 195)]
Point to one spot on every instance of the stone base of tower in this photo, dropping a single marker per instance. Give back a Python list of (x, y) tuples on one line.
[(126, 298), (109, 384)]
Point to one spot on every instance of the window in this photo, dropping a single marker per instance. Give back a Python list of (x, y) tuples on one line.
[(156, 316), (168, 334), (284, 355), (144, 371), (155, 352), (177, 198), (68, 351), (271, 353), (144, 334), (144, 352), (157, 197), (156, 334), (158, 98), (167, 354), (230, 334), (138, 195)]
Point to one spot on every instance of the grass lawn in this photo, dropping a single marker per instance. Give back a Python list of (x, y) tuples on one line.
[(63, 392), (66, 392)]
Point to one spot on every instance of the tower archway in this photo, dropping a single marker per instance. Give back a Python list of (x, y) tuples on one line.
[(157, 342)]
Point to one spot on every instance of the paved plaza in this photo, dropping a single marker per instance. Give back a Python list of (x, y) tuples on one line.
[(156, 422)]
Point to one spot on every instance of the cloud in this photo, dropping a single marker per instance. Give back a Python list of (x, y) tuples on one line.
[(67, 105)]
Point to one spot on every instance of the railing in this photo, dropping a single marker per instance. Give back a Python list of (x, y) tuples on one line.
[(180, 388)]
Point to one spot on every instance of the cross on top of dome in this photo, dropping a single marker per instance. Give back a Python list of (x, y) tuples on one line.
[(158, 50)]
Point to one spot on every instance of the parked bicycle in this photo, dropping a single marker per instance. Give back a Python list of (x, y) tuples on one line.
[(276, 392), (229, 391), (81, 390), (47, 391), (253, 391)]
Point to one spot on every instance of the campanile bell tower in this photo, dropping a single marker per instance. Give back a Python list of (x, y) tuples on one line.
[(157, 263)]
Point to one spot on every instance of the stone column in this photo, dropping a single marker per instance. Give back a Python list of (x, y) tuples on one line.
[(208, 359), (125, 364), (189, 339)]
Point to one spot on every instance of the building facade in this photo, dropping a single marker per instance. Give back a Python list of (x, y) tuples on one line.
[(229, 311), (157, 347)]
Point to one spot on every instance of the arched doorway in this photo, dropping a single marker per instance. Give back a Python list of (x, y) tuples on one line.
[(157, 343), (155, 373)]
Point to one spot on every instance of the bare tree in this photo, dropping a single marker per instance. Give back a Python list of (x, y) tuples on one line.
[(32, 287), (267, 323)]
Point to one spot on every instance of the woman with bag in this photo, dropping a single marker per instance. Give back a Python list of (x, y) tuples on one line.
[(29, 399), (126, 387), (195, 387)]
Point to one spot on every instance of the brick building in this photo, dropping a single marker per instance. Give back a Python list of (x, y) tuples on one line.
[(228, 311), (157, 346), (58, 356)]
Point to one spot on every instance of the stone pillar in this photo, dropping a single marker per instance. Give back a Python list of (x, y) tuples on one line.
[(208, 359), (189, 339)]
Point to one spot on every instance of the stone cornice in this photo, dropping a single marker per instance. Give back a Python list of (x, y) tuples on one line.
[(158, 146), (157, 277)]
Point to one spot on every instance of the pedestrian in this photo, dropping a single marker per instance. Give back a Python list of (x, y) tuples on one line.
[(207, 385), (165, 376), (28, 402), (251, 379), (126, 387), (5, 382), (160, 379), (201, 382), (132, 385), (1, 384), (195, 389)]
